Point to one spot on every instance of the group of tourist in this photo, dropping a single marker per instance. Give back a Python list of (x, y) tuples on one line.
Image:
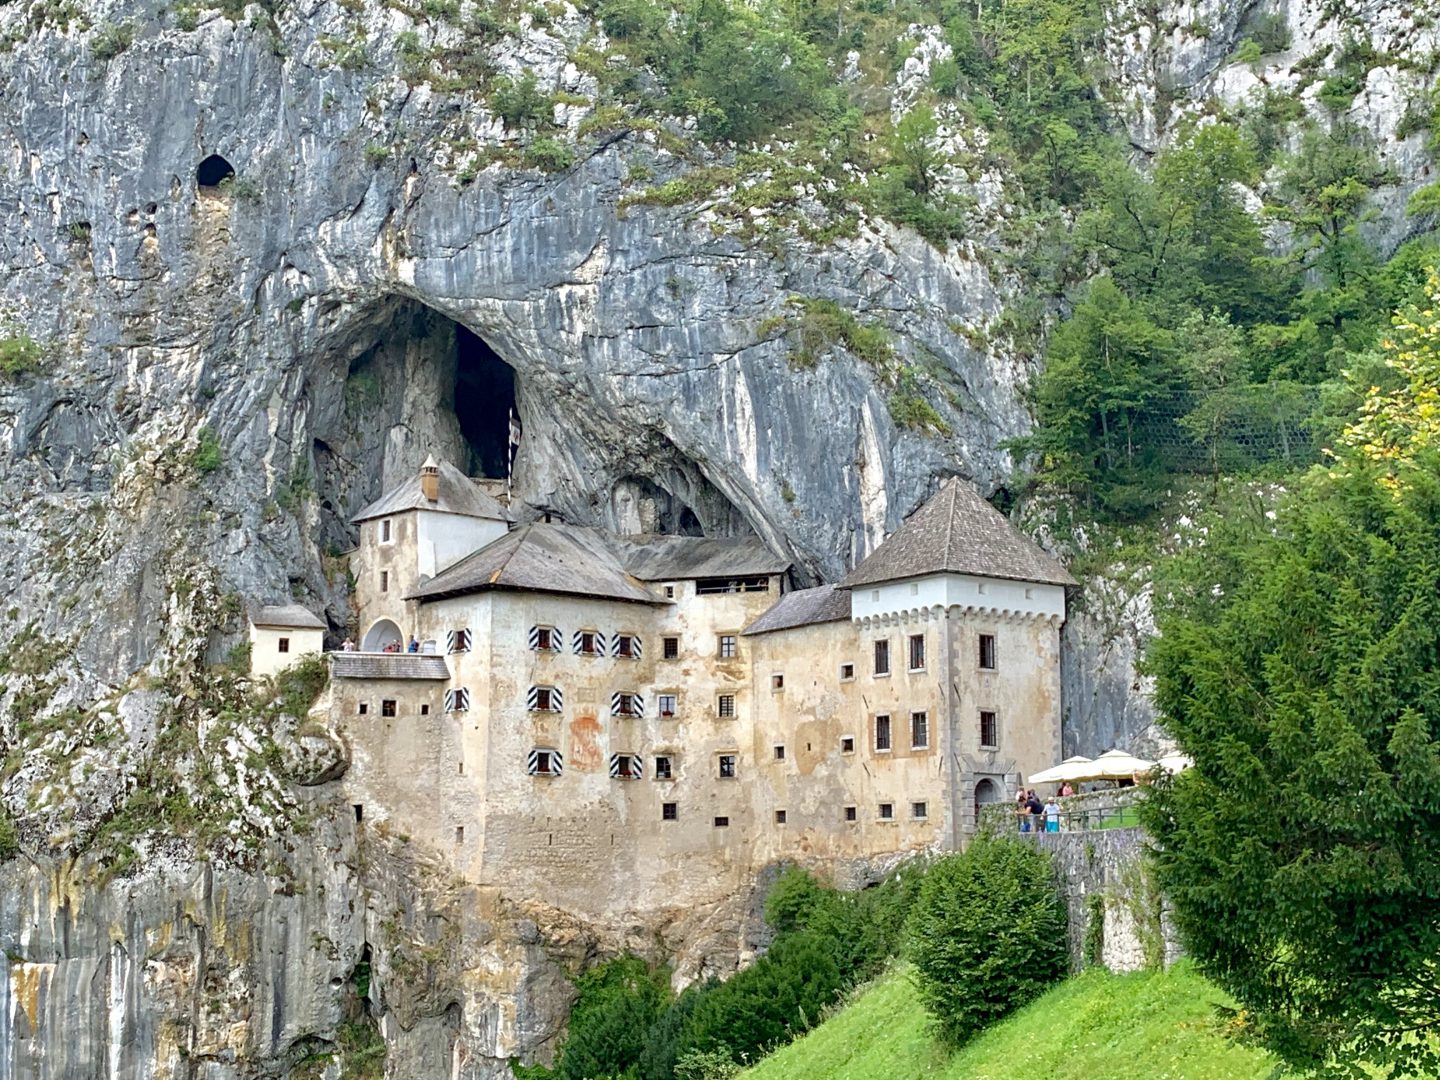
[(348, 645), (1037, 816)]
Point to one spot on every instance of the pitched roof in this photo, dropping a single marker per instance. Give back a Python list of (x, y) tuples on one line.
[(285, 617), (958, 532), (668, 558), (458, 494), (358, 665), (804, 607), (544, 558)]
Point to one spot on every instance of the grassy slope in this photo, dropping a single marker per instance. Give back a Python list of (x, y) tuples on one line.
[(1120, 1027)]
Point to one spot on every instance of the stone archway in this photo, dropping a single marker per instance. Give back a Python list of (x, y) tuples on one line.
[(986, 793), (382, 633)]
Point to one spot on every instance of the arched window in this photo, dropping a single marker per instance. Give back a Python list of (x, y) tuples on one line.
[(212, 171), (383, 633)]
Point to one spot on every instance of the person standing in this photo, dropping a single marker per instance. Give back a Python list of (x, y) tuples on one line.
[(1052, 815), (1022, 810)]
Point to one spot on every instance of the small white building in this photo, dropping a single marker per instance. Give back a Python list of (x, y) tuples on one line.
[(280, 634)]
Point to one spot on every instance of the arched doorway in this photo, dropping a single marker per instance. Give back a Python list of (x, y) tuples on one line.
[(986, 792), (381, 634), (212, 171)]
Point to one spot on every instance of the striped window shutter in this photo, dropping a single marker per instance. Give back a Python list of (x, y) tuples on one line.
[(457, 700), (557, 761), (555, 637), (557, 699), (599, 642), (626, 767), (637, 704), (457, 640), (634, 639)]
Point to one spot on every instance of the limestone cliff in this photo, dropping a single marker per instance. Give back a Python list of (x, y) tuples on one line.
[(230, 369)]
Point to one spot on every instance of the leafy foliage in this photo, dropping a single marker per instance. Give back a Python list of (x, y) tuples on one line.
[(20, 355), (207, 455), (987, 935)]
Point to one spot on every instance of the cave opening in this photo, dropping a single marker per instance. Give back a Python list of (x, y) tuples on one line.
[(213, 171), (484, 404)]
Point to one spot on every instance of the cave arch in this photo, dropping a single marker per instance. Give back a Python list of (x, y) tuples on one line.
[(380, 634), (213, 171)]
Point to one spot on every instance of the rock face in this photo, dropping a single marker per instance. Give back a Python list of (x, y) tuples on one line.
[(231, 370)]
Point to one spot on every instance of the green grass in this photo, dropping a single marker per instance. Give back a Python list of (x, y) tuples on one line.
[(1149, 1026)]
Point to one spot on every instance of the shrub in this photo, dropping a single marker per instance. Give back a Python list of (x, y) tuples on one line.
[(987, 934), (520, 104), (207, 455), (19, 355), (377, 153), (111, 39), (548, 155), (9, 838), (619, 1002), (300, 684)]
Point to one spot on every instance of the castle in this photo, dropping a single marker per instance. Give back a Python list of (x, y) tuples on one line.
[(615, 723)]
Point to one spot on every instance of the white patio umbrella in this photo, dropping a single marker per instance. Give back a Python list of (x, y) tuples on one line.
[(1173, 763), (1072, 768), (1116, 765)]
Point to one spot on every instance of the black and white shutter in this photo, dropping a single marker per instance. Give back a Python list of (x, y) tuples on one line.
[(457, 700), (634, 653), (555, 636), (457, 640), (557, 762), (618, 763), (557, 699), (637, 704), (599, 642)]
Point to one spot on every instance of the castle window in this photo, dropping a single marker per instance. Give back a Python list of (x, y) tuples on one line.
[(669, 592), (919, 731), (384, 580), (544, 699), (544, 639), (626, 703), (987, 652), (989, 729), (670, 648), (387, 707), (363, 708), (887, 811), (882, 733), (727, 766), (850, 814), (779, 817), (917, 652), (459, 834), (385, 536), (722, 822), (424, 710), (847, 744), (626, 767), (847, 672), (545, 762), (725, 705), (669, 811), (727, 646), (664, 767), (882, 657), (779, 753), (457, 641), (1029, 594), (627, 647), (589, 643), (919, 811), (284, 645), (457, 700), (667, 704), (777, 682)]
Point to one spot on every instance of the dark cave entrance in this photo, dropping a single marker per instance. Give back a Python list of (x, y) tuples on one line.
[(484, 404), (213, 171)]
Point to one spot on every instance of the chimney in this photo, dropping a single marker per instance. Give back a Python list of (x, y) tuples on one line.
[(430, 479)]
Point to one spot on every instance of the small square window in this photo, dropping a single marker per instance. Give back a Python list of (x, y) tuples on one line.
[(919, 811), (669, 811), (779, 753), (847, 672), (460, 768), (987, 652), (917, 652), (989, 729), (875, 595), (384, 580), (588, 644), (882, 733), (545, 763), (727, 646), (459, 834), (627, 646), (1029, 594), (544, 699), (670, 648), (887, 811), (722, 822), (850, 814), (727, 767), (725, 705), (669, 592), (777, 682), (847, 744), (424, 710), (545, 639), (387, 707), (779, 817), (981, 588), (882, 657), (363, 708), (284, 644), (668, 704), (663, 768)]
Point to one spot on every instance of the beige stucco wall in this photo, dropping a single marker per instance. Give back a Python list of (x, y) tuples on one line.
[(399, 559), (265, 655)]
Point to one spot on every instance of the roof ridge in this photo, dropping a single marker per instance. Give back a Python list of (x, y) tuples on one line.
[(950, 522), (505, 563)]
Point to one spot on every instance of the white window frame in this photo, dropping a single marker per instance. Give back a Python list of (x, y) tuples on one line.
[(924, 714), (458, 640)]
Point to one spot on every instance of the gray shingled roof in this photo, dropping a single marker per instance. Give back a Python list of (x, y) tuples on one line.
[(672, 558), (804, 607), (285, 617), (543, 558), (958, 532), (358, 665), (458, 494)]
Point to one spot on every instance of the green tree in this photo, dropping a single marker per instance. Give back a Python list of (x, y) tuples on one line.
[(987, 934), (619, 1002)]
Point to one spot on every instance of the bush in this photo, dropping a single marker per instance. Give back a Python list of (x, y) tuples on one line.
[(19, 355), (548, 155), (9, 837), (111, 39), (520, 104), (987, 934), (619, 1002), (207, 455)]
